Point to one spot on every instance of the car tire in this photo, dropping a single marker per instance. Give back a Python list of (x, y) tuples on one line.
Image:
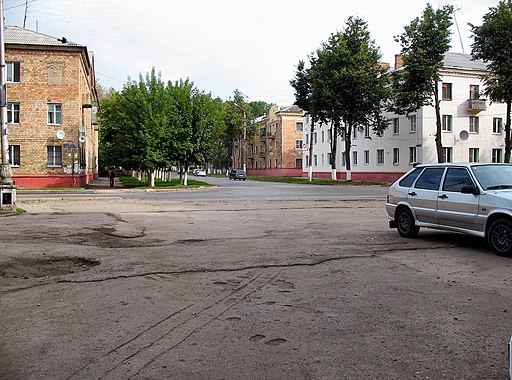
[(244, 179), (405, 223), (499, 237)]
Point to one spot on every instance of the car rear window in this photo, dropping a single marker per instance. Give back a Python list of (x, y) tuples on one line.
[(430, 179), (410, 178)]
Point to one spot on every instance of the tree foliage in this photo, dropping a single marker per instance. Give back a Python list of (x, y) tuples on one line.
[(424, 44), (493, 44)]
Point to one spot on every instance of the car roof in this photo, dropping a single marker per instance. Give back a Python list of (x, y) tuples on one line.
[(464, 164)]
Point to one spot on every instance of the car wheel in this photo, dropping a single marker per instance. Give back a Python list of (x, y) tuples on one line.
[(499, 237), (244, 179), (405, 223)]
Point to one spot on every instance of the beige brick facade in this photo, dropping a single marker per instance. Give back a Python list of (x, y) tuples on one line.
[(52, 74)]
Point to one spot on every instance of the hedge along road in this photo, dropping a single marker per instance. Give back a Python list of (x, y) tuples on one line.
[(272, 288)]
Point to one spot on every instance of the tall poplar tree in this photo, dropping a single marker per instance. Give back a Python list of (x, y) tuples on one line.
[(424, 42), (493, 44)]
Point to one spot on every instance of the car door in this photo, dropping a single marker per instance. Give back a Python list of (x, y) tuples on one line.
[(455, 209), (423, 196)]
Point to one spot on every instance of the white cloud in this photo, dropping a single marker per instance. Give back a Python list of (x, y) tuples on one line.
[(222, 45)]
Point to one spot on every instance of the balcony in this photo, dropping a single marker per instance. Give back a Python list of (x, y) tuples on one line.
[(271, 135), (477, 105)]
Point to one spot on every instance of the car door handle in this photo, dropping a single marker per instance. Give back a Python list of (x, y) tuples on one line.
[(412, 193), (443, 196)]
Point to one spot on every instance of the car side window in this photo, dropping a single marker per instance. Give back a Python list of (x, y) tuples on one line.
[(411, 177), (456, 178), (430, 179)]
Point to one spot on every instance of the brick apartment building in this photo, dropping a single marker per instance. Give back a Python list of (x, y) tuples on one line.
[(276, 149), (51, 110)]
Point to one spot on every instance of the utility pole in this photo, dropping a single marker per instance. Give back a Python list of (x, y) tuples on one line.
[(7, 190)]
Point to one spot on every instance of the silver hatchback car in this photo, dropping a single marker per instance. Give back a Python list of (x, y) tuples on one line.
[(474, 199)]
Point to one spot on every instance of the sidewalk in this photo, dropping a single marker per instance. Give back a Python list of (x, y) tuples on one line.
[(103, 183)]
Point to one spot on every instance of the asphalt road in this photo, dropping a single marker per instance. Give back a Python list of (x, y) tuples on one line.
[(259, 286)]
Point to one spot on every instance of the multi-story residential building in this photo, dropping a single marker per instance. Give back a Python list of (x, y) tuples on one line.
[(51, 110), (276, 149), (472, 130)]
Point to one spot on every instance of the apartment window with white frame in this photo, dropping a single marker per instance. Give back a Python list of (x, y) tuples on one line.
[(354, 133), (315, 160), (396, 156), (412, 155), (497, 125), (354, 158), (329, 133), (474, 91), (447, 154), (446, 91), (396, 126), (12, 72), (328, 159), (367, 157), (307, 139), (497, 155), (323, 137), (380, 156), (322, 159), (446, 125), (474, 155), (54, 114), (299, 126), (412, 123), (343, 159), (298, 144), (315, 140), (13, 113), (474, 124), (366, 131), (54, 156), (14, 155)]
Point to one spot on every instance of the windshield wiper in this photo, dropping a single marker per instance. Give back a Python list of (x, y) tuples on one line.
[(497, 187)]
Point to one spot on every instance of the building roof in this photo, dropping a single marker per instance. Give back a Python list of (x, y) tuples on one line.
[(19, 36), (290, 109), (463, 61)]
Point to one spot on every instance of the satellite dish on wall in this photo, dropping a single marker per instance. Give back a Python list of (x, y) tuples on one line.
[(60, 135), (464, 135), (81, 128), (81, 139)]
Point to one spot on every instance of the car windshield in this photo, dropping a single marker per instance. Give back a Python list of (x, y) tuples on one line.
[(494, 177)]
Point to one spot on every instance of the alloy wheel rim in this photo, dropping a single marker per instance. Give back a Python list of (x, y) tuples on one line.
[(502, 238)]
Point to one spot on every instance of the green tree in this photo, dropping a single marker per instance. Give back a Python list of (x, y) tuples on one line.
[(493, 44), (424, 43)]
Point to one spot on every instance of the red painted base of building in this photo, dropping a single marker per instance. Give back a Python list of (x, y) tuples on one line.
[(276, 172), (388, 177), (52, 181)]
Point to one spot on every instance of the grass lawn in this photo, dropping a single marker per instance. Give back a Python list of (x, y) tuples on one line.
[(316, 181), (132, 183)]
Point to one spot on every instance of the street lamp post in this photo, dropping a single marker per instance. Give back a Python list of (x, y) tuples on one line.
[(7, 190)]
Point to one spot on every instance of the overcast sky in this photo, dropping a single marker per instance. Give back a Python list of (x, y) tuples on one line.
[(223, 45)]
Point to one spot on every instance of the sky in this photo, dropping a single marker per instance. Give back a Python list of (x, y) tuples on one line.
[(223, 45)]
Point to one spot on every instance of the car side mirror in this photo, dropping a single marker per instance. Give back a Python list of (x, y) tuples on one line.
[(469, 190)]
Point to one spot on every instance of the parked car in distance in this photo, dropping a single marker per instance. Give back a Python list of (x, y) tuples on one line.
[(199, 173), (474, 199), (238, 174)]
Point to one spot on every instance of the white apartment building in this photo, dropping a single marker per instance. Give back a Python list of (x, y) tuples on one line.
[(472, 131)]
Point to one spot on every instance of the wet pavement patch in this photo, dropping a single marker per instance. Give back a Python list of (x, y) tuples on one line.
[(47, 267)]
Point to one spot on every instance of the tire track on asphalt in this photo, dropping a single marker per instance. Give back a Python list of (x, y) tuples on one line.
[(133, 356)]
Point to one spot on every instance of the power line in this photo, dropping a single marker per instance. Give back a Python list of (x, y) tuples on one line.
[(20, 5)]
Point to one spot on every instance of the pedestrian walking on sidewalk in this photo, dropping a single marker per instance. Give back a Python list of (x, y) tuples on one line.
[(112, 176)]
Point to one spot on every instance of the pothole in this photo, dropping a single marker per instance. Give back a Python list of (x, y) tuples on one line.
[(47, 267)]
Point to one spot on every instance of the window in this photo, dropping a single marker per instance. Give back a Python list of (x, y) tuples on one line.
[(447, 91), (474, 91), (322, 159), (328, 159), (412, 155), (447, 123), (323, 136), (354, 158), (411, 177), (344, 159), (473, 155), (298, 162), (315, 160), (366, 131), (456, 178), (14, 155), (396, 126), (497, 125), (430, 179), (473, 124), (298, 144), (13, 71), (299, 126), (396, 156), (412, 123), (354, 133), (497, 155), (307, 160), (367, 157), (315, 140), (13, 113), (54, 156), (380, 156), (54, 114), (447, 154), (329, 135)]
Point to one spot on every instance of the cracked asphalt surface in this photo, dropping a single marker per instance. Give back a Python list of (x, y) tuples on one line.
[(254, 289)]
